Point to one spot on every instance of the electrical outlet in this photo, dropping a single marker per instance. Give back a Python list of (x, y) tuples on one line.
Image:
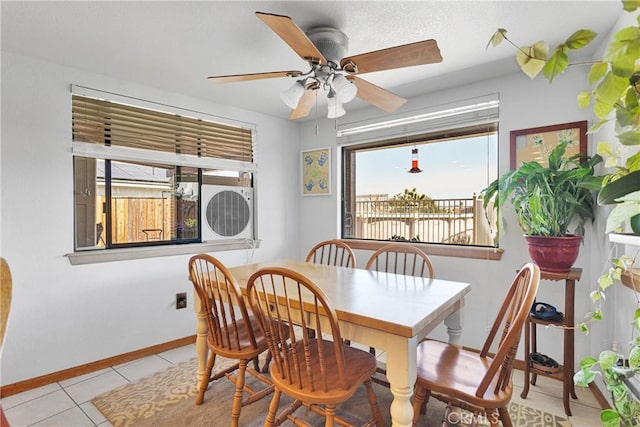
[(181, 300)]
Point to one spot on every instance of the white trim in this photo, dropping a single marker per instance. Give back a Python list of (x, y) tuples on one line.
[(125, 254), (86, 149), (473, 111)]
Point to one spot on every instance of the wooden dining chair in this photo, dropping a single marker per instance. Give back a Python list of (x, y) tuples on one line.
[(479, 382), (6, 286), (401, 258), (332, 252), (233, 332), (317, 373), (398, 258)]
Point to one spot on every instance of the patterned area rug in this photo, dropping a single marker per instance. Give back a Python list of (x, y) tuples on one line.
[(167, 399)]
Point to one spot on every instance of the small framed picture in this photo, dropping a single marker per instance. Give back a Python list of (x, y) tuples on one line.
[(535, 144), (316, 171)]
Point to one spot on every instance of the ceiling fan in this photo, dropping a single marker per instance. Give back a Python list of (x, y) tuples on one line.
[(324, 49)]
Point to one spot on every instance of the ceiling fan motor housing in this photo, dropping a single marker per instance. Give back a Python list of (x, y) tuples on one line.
[(331, 42)]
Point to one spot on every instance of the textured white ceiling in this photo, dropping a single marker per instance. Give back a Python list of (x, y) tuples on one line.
[(176, 45)]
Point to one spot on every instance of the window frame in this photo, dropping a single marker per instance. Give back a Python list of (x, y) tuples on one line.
[(110, 152), (440, 249)]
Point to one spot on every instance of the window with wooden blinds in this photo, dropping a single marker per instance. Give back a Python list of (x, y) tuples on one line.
[(113, 124)]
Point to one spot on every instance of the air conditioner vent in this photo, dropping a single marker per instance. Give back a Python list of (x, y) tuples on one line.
[(226, 212)]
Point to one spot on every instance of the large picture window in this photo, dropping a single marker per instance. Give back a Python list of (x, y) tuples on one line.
[(138, 172), (439, 202)]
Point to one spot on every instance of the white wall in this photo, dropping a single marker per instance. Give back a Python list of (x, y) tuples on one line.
[(63, 316), (523, 104)]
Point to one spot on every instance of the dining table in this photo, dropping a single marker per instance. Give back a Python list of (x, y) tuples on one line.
[(390, 312)]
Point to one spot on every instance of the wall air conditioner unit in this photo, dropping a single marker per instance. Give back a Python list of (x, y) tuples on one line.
[(226, 212)]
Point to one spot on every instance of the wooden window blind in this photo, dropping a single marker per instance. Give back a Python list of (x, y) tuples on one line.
[(109, 123)]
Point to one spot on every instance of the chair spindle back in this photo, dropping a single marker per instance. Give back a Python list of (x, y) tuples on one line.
[(332, 252), (509, 322), (223, 304), (280, 298)]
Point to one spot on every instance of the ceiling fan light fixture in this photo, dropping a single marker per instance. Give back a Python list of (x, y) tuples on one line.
[(335, 108), (292, 96), (345, 88)]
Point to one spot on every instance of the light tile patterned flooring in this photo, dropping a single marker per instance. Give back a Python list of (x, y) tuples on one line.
[(68, 403)]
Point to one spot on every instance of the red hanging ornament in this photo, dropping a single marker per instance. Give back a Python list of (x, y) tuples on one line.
[(414, 161)]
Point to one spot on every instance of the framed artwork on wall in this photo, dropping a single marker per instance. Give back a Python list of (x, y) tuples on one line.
[(535, 144), (316, 171)]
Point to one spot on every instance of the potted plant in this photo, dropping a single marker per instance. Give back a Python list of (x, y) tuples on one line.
[(548, 200), (615, 82)]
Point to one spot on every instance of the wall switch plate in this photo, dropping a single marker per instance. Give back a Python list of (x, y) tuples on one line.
[(181, 300)]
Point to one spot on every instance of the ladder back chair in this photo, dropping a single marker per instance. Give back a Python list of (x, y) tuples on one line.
[(315, 372), (332, 252), (479, 382), (399, 258), (6, 285), (233, 332)]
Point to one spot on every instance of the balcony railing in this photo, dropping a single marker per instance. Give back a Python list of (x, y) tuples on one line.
[(452, 221)]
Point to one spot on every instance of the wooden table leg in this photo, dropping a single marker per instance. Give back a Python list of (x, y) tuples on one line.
[(401, 372), (454, 328), (202, 330)]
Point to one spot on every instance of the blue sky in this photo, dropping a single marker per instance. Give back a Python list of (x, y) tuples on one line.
[(451, 169)]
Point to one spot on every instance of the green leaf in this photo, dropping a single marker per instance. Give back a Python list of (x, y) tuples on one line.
[(634, 357), (631, 5), (597, 315), (629, 138), (609, 418), (621, 213), (583, 378), (598, 70), (556, 64), (497, 38), (611, 88), (605, 281), (580, 39), (604, 148), (595, 296), (584, 98), (532, 58), (618, 188), (633, 162), (608, 359), (584, 328), (596, 126), (588, 362)]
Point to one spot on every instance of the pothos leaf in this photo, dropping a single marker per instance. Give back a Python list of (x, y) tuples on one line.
[(580, 39), (598, 70), (497, 38), (556, 64), (533, 58)]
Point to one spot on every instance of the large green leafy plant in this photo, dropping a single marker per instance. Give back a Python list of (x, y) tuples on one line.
[(614, 92), (548, 199)]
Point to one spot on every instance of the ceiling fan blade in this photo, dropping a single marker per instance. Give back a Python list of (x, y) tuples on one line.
[(377, 96), (255, 76), (292, 35), (408, 55), (304, 105)]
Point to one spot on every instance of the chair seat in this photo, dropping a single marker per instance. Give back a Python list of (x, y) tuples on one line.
[(362, 365), (241, 347), (461, 372)]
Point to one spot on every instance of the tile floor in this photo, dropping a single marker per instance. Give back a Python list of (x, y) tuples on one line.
[(68, 403)]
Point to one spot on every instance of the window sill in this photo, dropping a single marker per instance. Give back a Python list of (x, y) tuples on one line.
[(475, 252), (123, 254)]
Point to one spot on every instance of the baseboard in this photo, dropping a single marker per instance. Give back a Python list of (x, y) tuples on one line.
[(40, 381)]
